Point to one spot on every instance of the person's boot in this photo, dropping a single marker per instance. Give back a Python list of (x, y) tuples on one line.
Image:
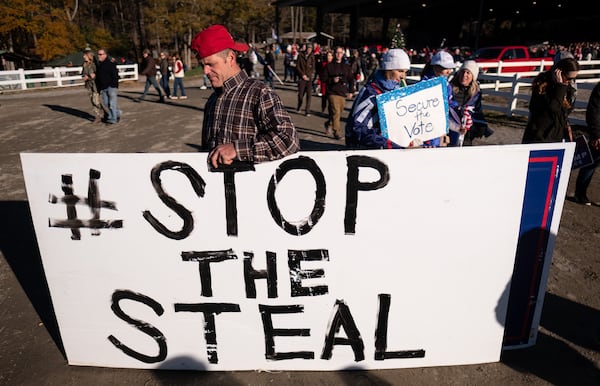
[(162, 99)]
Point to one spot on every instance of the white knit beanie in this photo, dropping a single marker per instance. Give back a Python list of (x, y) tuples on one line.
[(473, 68), (395, 59)]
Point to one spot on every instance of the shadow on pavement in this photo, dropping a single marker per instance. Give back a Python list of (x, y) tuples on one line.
[(572, 321), (553, 358), (134, 95), (20, 248), (71, 111), (554, 361)]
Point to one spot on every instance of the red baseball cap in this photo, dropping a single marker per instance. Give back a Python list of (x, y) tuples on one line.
[(215, 39)]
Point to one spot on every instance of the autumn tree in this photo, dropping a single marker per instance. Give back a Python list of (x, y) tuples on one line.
[(59, 36), (54, 28)]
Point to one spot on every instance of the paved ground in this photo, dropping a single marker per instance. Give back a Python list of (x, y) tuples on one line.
[(568, 349)]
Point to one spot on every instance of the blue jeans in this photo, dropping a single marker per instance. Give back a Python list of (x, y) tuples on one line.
[(109, 99), (585, 177), (151, 80), (269, 79), (178, 83), (164, 83)]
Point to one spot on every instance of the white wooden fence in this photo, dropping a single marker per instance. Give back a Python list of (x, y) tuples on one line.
[(54, 77), (514, 87)]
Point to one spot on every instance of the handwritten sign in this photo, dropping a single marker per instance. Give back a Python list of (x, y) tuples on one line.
[(416, 112), (320, 261)]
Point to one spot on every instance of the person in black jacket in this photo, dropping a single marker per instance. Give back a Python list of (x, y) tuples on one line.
[(305, 69), (340, 86), (552, 96), (149, 69), (107, 80), (165, 73), (592, 118)]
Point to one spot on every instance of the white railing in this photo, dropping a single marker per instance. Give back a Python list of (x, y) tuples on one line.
[(511, 87), (55, 77)]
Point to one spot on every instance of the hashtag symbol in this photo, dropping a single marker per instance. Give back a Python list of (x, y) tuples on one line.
[(92, 200)]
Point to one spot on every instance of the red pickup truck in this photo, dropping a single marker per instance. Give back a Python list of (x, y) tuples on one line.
[(508, 54)]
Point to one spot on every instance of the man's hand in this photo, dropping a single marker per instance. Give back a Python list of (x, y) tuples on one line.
[(222, 155)]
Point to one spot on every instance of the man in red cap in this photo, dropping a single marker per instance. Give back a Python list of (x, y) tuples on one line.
[(243, 119)]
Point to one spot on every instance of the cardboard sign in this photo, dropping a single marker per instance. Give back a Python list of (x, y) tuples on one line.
[(416, 112), (583, 154), (320, 261)]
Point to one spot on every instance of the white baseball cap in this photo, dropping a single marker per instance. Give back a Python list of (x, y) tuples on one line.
[(444, 59)]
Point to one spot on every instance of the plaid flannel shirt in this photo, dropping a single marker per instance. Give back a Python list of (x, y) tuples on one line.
[(248, 114)]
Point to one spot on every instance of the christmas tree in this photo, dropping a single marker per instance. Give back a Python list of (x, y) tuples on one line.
[(398, 38)]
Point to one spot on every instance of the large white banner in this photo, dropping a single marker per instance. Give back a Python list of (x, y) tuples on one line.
[(320, 261)]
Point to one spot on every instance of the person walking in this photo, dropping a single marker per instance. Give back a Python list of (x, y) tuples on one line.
[(269, 65), (165, 73), (244, 119), (178, 74), (306, 69), (107, 81), (584, 177), (149, 70), (340, 86), (551, 101), (89, 78)]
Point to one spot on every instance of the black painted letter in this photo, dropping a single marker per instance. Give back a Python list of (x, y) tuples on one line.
[(271, 332), (210, 330), (144, 327), (230, 196), (353, 185), (250, 275), (204, 258), (297, 274), (303, 227), (188, 221), (381, 335), (343, 317)]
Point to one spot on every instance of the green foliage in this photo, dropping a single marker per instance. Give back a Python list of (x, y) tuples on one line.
[(99, 37)]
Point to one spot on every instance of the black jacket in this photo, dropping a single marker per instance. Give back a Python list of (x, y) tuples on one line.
[(334, 69), (107, 75), (549, 109), (149, 66), (592, 114)]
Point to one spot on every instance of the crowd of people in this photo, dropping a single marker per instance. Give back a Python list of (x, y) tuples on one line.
[(245, 119)]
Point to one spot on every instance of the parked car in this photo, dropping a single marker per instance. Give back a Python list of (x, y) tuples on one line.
[(508, 54)]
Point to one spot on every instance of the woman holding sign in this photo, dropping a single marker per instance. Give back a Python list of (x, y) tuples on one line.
[(363, 129)]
